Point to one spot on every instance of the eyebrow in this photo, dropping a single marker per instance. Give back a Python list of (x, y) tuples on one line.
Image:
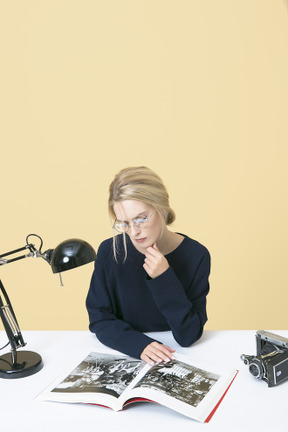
[(138, 216)]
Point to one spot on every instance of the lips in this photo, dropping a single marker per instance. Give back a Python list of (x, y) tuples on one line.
[(141, 240)]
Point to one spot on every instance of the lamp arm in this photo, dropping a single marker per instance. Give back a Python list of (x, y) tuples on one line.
[(33, 253), (9, 320), (7, 314)]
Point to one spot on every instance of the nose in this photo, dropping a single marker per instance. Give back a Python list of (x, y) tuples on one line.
[(134, 230)]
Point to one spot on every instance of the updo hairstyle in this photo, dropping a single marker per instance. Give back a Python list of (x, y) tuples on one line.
[(141, 184)]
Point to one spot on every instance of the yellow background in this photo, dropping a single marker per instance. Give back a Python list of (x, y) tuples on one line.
[(196, 90)]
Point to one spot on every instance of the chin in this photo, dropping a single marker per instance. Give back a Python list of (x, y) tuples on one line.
[(141, 247)]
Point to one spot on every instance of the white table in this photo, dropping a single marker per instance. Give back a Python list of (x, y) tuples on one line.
[(248, 406)]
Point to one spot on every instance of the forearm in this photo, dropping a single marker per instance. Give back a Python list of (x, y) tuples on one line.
[(120, 336), (185, 316)]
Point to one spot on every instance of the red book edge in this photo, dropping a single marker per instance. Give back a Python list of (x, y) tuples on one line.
[(220, 400)]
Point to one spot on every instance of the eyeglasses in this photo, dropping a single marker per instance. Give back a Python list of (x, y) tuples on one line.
[(139, 222)]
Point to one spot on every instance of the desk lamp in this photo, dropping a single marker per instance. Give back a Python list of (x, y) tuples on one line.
[(67, 255)]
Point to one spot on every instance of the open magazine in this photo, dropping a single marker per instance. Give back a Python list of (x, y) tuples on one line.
[(114, 381)]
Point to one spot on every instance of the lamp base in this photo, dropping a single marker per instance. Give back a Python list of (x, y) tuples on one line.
[(27, 363)]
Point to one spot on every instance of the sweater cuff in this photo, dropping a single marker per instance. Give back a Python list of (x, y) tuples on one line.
[(167, 275)]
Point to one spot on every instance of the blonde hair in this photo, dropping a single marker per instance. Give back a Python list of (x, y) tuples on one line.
[(141, 184)]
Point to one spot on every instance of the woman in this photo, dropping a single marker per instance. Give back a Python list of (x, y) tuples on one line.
[(148, 278)]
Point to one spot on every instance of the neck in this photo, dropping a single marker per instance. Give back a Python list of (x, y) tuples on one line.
[(169, 241)]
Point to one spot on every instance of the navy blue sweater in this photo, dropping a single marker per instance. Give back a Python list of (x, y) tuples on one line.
[(123, 302)]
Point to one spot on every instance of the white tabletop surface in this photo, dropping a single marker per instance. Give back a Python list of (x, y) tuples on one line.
[(248, 406)]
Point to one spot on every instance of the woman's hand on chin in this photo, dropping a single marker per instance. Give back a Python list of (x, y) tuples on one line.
[(155, 262)]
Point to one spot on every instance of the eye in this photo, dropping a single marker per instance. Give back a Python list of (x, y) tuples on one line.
[(140, 220), (120, 226)]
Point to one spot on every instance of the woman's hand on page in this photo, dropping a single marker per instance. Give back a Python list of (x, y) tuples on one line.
[(155, 352)]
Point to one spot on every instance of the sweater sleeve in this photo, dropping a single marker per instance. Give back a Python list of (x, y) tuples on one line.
[(184, 310), (110, 330)]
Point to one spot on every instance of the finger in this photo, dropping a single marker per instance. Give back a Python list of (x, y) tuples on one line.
[(156, 352), (149, 259), (146, 267), (152, 262), (150, 357), (159, 353), (155, 267), (147, 359), (171, 350), (153, 252), (168, 351)]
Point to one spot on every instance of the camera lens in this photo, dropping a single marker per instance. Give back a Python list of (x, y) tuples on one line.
[(256, 370)]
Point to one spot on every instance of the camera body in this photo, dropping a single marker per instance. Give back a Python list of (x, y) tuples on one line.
[(271, 360)]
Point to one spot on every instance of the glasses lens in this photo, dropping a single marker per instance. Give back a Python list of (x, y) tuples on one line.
[(120, 226), (138, 222), (141, 222)]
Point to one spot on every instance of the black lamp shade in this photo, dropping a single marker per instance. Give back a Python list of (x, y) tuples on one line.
[(71, 253)]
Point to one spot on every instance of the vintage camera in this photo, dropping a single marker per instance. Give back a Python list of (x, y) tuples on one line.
[(271, 360)]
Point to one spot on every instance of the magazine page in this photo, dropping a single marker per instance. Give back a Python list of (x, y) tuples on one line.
[(185, 385), (100, 378), (191, 387)]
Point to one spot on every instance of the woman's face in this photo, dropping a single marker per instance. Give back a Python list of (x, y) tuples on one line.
[(142, 238)]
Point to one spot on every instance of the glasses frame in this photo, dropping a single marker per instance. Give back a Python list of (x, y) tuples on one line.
[(145, 222)]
